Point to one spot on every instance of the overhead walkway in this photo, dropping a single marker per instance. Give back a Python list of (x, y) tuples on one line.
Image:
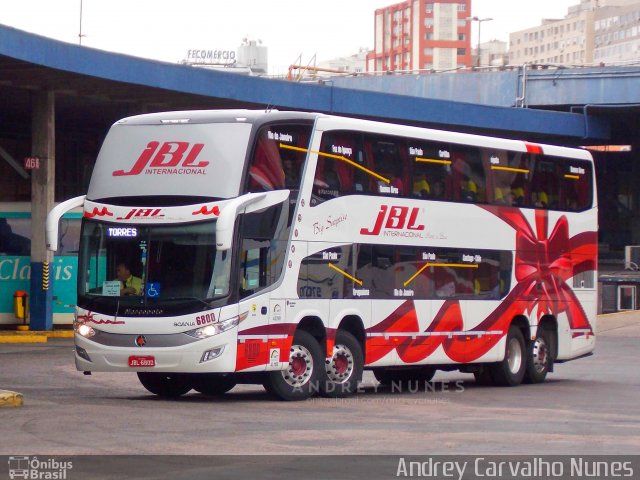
[(34, 62)]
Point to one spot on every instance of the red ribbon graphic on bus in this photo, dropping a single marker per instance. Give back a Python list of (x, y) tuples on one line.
[(543, 264)]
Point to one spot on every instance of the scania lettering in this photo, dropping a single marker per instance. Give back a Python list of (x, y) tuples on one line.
[(308, 248)]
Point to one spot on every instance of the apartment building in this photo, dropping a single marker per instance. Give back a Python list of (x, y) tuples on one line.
[(617, 34), (422, 34), (564, 41), (593, 31)]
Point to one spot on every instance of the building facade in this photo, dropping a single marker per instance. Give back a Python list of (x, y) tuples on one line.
[(422, 35), (494, 53), (567, 41), (617, 34), (593, 31), (353, 64)]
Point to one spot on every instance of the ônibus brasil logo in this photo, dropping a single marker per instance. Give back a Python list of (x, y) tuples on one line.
[(170, 158), (397, 221)]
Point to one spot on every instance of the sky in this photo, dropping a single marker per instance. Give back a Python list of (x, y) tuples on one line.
[(166, 29)]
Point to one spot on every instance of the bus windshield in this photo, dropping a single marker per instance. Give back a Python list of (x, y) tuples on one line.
[(148, 264)]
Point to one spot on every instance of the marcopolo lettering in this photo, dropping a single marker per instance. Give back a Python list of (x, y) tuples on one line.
[(168, 158)]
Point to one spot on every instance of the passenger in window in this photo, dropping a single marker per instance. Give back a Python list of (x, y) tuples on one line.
[(438, 190), (540, 200), (518, 197), (421, 187), (469, 190), (291, 173)]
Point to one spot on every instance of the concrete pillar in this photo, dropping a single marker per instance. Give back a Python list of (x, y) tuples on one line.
[(42, 189)]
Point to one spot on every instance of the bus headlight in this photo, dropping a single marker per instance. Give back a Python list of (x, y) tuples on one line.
[(83, 329), (216, 328)]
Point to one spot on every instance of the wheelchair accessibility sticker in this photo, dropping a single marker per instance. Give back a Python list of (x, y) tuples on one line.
[(153, 289)]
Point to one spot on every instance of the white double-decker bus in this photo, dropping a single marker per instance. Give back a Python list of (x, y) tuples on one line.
[(298, 249)]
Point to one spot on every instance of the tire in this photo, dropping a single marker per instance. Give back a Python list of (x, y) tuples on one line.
[(510, 371), (404, 379), (168, 385), (539, 357), (213, 384), (343, 371), (300, 380)]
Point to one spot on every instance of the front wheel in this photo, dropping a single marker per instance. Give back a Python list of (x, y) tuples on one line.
[(510, 371), (539, 358), (343, 370), (300, 379), (168, 385)]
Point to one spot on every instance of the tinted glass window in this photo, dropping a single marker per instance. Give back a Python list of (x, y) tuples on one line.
[(387, 272), (354, 163), (278, 157)]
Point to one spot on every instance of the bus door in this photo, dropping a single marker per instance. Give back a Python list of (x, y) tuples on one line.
[(262, 252)]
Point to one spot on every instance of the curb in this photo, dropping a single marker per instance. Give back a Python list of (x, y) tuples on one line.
[(10, 399), (33, 336)]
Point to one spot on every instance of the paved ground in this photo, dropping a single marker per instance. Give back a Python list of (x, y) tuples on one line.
[(589, 406)]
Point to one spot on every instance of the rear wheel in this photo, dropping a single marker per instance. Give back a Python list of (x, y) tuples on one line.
[(168, 385), (300, 379), (213, 384), (510, 371), (539, 358), (343, 370)]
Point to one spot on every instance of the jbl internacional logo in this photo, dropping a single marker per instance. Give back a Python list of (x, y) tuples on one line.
[(168, 158)]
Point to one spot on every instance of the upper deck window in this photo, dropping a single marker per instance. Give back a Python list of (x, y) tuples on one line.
[(351, 163)]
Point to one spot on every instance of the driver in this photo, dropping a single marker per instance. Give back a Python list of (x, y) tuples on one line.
[(130, 285)]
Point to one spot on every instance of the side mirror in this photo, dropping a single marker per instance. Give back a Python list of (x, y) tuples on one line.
[(53, 220), (250, 202)]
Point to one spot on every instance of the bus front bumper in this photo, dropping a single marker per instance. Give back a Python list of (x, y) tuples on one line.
[(213, 354)]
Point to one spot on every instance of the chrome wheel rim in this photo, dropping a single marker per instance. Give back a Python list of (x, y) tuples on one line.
[(300, 367), (514, 356), (540, 355), (341, 364)]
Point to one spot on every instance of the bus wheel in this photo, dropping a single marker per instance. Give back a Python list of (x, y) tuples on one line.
[(299, 380), (212, 384), (344, 368), (539, 358), (169, 385), (510, 371)]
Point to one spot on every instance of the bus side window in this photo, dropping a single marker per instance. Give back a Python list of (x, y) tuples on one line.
[(265, 172), (322, 275), (511, 174), (546, 182), (278, 158), (337, 170), (263, 248), (389, 163), (431, 170), (469, 176)]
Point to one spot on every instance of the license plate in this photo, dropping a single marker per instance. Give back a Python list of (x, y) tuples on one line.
[(138, 361)]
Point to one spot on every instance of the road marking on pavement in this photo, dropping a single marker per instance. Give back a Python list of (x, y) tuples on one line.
[(10, 399)]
